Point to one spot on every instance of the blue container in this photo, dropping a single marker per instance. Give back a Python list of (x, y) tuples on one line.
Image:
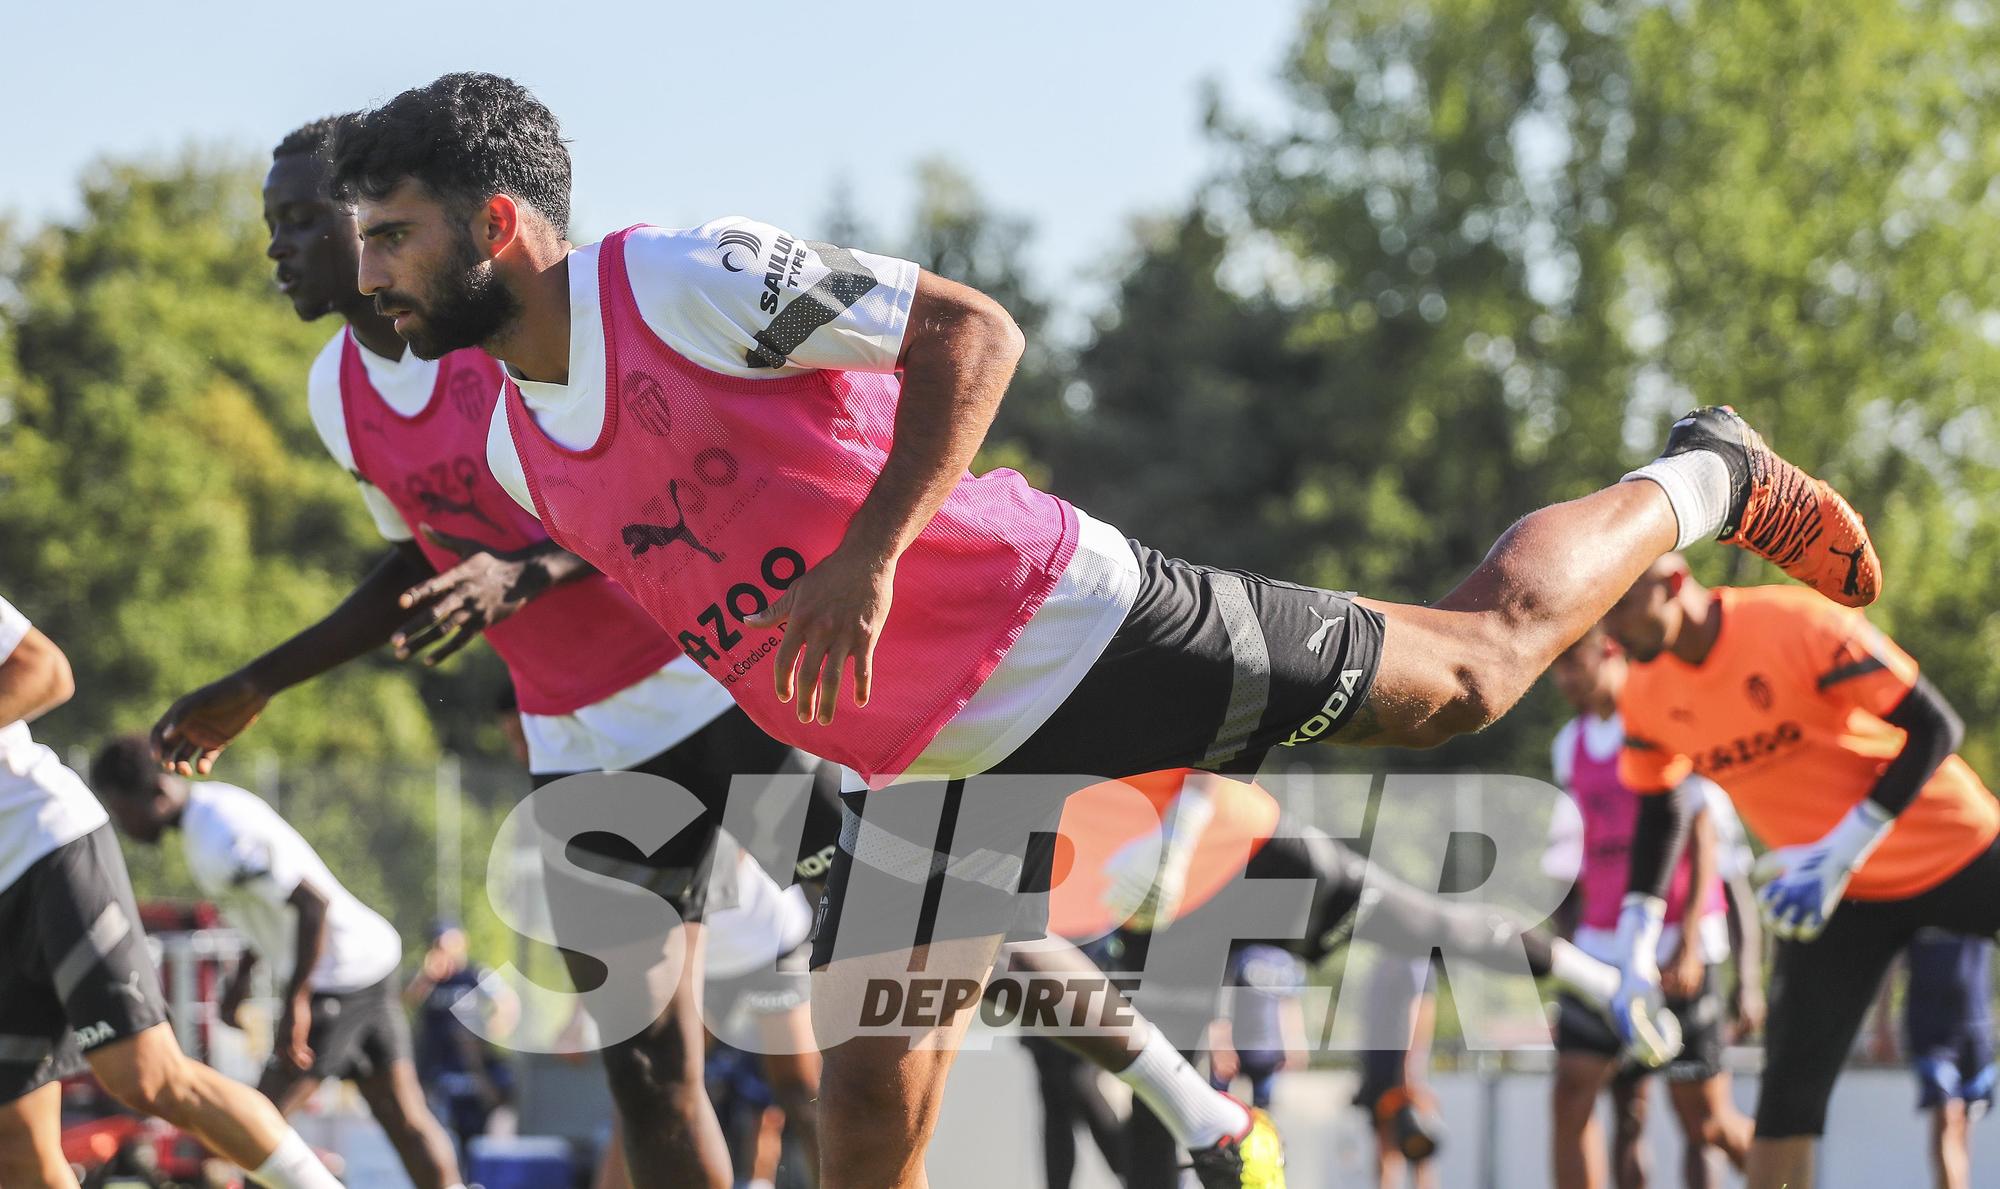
[(523, 1162)]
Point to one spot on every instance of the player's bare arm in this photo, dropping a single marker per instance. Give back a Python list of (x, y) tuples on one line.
[(958, 356), (230, 1006), (34, 679), (296, 1021), (193, 732), (1682, 977), (485, 588)]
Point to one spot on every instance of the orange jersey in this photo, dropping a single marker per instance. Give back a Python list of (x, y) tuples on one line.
[(1786, 713), (1099, 820)]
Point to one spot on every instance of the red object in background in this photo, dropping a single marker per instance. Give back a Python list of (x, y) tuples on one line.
[(174, 1154)]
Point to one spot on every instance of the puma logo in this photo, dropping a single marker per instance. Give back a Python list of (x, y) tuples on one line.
[(1317, 641), (469, 506), (641, 537), (1852, 584)]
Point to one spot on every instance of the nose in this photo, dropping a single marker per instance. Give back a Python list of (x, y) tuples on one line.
[(371, 278), (279, 248)]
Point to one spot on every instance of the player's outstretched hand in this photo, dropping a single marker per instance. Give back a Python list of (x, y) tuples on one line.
[(453, 607), (194, 730), (833, 614)]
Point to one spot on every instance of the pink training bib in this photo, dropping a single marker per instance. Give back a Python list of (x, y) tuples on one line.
[(575, 645), (1610, 815), (706, 496)]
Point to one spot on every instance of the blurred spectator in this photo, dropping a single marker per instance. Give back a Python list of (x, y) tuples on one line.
[(466, 1078)]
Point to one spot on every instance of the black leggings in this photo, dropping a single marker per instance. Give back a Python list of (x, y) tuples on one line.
[(1821, 989), (1070, 1095), (1402, 919)]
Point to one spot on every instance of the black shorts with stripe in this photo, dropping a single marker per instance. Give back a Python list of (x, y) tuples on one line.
[(1211, 669), (75, 973), (356, 1034)]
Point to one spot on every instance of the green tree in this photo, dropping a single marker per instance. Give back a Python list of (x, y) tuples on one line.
[(166, 512)]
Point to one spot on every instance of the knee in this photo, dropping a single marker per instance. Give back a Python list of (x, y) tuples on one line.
[(1482, 677), (651, 1068), (152, 1084), (1574, 1100)]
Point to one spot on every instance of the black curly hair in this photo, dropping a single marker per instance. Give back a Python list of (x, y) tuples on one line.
[(466, 137), (125, 768), (315, 139)]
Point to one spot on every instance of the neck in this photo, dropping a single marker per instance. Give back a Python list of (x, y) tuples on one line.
[(373, 331), (536, 343), (1701, 623), (1603, 705)]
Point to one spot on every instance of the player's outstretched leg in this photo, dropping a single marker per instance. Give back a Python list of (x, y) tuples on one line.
[(151, 1075), (1457, 665)]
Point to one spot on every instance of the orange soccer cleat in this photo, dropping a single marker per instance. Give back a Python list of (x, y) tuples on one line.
[(1780, 513)]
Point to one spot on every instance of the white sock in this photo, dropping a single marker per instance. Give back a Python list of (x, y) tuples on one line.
[(1590, 980), (1698, 488), (1198, 1115), (293, 1166)]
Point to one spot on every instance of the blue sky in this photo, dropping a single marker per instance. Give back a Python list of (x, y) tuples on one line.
[(1074, 115)]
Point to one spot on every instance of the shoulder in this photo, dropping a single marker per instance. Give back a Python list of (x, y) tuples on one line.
[(1776, 610), (323, 400)]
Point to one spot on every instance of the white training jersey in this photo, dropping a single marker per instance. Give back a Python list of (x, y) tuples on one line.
[(700, 290), (249, 861), (43, 805), (621, 731)]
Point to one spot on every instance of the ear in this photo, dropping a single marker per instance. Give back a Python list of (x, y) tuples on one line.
[(496, 225)]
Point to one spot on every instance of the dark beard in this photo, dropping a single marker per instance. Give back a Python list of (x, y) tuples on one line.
[(466, 308)]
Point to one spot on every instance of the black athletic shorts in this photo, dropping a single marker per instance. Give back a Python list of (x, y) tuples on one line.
[(707, 763), (357, 1034), (1821, 989), (75, 973), (1211, 669), (1583, 1029)]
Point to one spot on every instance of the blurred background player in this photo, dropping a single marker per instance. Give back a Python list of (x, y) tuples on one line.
[(333, 958), (1402, 1111), (1947, 1035), (77, 985), (1590, 843), (1839, 754), (467, 1077), (1948, 1028), (1072, 1095), (1262, 1032)]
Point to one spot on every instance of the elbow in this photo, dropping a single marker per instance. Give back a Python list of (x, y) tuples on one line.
[(1006, 342), (60, 682), (1013, 340)]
